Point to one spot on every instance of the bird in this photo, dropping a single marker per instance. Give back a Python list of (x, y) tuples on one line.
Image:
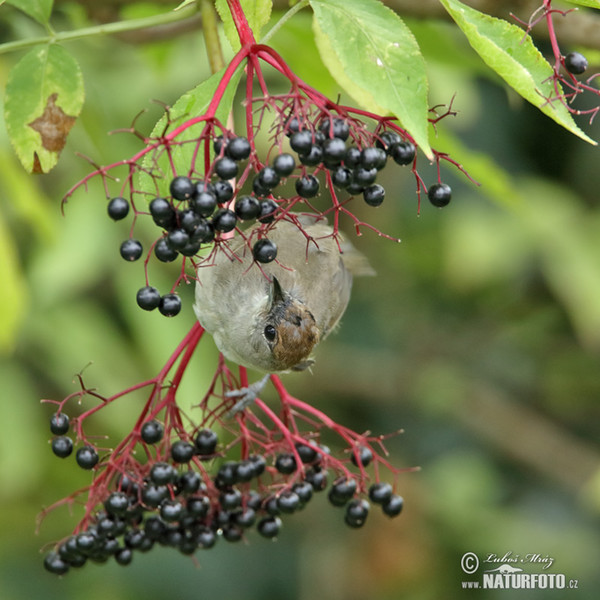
[(272, 318)]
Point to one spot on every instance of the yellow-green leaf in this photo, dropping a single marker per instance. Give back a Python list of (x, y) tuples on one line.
[(39, 10), (510, 52), (375, 57), (44, 96), (590, 3)]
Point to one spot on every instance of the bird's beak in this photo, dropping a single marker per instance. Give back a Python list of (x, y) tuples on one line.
[(276, 295)]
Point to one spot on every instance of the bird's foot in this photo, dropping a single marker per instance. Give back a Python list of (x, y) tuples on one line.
[(246, 395)]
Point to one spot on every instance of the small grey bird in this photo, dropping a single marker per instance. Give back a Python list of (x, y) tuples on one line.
[(272, 319)]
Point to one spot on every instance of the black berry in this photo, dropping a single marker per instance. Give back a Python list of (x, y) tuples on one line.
[(341, 491), (148, 297), (169, 305), (59, 423), (189, 220), (164, 252), (288, 501), (182, 188), (371, 157), (576, 63), (307, 186), (285, 463), (226, 168), (317, 478), (86, 457), (334, 150), (340, 129), (118, 208), (116, 504), (268, 178), (238, 148), (182, 451), (269, 526), (163, 214), (204, 202), (230, 499), (374, 194), (62, 446), (357, 511), (268, 208), (388, 139), (380, 492), (124, 556), (364, 176), (403, 153), (55, 564), (247, 208), (393, 507), (365, 456), (439, 194), (313, 157), (152, 432), (301, 141), (307, 453), (171, 510), (189, 482), (206, 442), (264, 251), (353, 156), (341, 177), (224, 220), (284, 164), (177, 239), (223, 191), (131, 249), (162, 473)]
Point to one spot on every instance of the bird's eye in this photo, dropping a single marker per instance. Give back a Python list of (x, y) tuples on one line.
[(270, 333)]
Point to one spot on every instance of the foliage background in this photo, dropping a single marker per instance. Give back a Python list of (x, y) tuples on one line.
[(480, 337)]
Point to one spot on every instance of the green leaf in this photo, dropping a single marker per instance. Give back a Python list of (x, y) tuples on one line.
[(590, 3), (375, 57), (184, 4), (191, 104), (44, 96), (258, 13), (506, 49), (39, 10)]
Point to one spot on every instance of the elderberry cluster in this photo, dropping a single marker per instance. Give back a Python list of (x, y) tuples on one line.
[(169, 503)]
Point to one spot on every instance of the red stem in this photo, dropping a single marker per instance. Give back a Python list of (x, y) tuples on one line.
[(241, 23)]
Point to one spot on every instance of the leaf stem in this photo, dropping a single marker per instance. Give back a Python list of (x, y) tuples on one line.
[(286, 17), (211, 36), (107, 29)]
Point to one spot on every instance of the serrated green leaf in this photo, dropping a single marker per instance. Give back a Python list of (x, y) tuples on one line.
[(372, 47), (184, 4), (191, 104), (39, 10), (258, 13), (44, 96), (590, 3), (506, 49)]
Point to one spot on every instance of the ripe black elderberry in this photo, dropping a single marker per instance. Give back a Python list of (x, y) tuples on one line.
[(313, 157), (576, 63), (269, 526), (268, 208), (334, 150), (364, 176), (188, 482), (317, 478), (393, 507), (403, 153), (340, 128), (148, 297), (285, 463), (301, 141), (189, 220), (224, 220), (162, 473), (59, 423), (62, 446), (374, 194), (163, 214), (151, 432), (238, 148), (206, 442), (116, 504), (341, 177), (268, 178), (284, 164), (353, 157), (341, 491), (171, 510), (182, 188), (131, 249), (439, 194), (380, 492), (388, 139), (230, 499), (55, 564), (365, 456), (226, 168), (177, 239), (182, 451), (204, 202), (307, 453), (307, 186), (247, 208), (264, 251), (288, 501), (303, 490), (164, 252), (357, 511), (86, 457), (169, 305), (118, 208)]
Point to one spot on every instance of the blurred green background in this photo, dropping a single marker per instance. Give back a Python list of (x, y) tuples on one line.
[(480, 337)]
